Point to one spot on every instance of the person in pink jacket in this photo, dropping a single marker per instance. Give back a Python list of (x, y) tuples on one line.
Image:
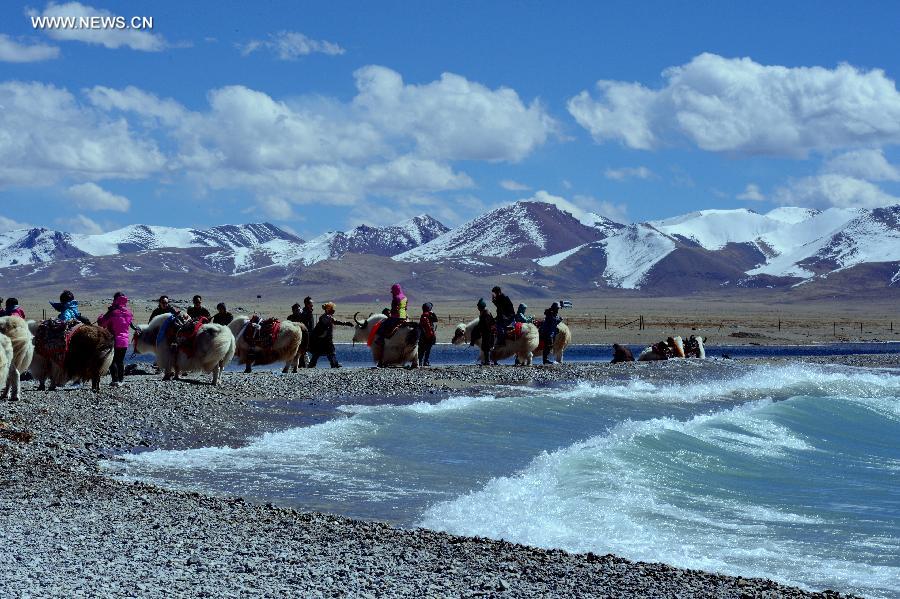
[(13, 309), (117, 321)]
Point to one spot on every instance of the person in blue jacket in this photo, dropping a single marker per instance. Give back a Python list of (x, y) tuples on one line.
[(68, 307)]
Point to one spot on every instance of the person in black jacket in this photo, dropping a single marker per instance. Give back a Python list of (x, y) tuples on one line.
[(164, 307), (197, 310), (484, 331), (322, 338), (506, 314), (308, 318), (222, 316), (548, 330), (296, 314)]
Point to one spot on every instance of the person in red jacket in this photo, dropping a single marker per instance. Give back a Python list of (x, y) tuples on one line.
[(117, 321), (13, 309), (427, 324)]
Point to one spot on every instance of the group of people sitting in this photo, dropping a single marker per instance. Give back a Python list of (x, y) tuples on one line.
[(493, 330)]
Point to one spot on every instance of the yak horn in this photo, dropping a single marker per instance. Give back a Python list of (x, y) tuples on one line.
[(134, 328), (358, 323)]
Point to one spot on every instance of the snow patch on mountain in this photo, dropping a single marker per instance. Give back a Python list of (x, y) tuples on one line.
[(631, 253), (557, 258)]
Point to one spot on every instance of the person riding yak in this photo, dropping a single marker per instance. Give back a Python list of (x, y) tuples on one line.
[(397, 316), (13, 309), (521, 316), (506, 314), (68, 308)]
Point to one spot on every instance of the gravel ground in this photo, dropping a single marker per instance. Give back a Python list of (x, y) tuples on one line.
[(70, 530)]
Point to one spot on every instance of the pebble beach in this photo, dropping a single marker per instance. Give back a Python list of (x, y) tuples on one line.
[(73, 529)]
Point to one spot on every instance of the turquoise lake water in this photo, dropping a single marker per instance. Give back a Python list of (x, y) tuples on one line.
[(787, 472)]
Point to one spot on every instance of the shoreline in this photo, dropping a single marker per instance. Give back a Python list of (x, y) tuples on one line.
[(71, 525)]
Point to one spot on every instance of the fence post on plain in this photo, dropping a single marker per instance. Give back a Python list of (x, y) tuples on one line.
[(604, 322), (779, 324), (834, 328)]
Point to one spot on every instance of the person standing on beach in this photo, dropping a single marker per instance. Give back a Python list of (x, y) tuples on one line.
[(427, 324), (307, 316), (13, 309), (548, 330), (222, 316), (485, 328), (163, 307), (117, 321), (322, 338), (197, 310), (296, 314)]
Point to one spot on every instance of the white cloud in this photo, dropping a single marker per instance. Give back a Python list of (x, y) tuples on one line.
[(620, 174), (511, 185), (8, 224), (392, 140), (452, 118), (582, 207), (136, 39), (46, 135), (742, 107), (132, 99), (751, 194), (832, 190), (408, 173), (79, 224), (290, 45), (611, 210), (870, 165), (13, 51), (90, 196)]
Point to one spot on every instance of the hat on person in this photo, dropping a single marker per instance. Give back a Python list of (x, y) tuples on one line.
[(481, 304), (427, 306)]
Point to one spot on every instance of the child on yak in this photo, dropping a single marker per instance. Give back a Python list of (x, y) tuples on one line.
[(117, 320), (427, 324), (68, 308), (521, 316)]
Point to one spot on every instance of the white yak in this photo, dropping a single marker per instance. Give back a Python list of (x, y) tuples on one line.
[(213, 348), (289, 346), (521, 346), (23, 351), (399, 348)]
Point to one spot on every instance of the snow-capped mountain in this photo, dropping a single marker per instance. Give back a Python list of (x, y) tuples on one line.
[(535, 245), (31, 246), (793, 244), (525, 229), (233, 249), (380, 241)]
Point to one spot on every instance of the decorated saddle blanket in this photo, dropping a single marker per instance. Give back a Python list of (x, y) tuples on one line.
[(186, 335), (514, 331), (373, 333), (262, 334), (51, 340)]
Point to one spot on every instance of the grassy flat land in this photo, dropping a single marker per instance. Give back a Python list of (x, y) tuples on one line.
[(612, 319)]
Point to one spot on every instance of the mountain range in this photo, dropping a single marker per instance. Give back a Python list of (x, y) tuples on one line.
[(537, 247)]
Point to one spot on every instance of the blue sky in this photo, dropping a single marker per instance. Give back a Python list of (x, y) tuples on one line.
[(319, 117)]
